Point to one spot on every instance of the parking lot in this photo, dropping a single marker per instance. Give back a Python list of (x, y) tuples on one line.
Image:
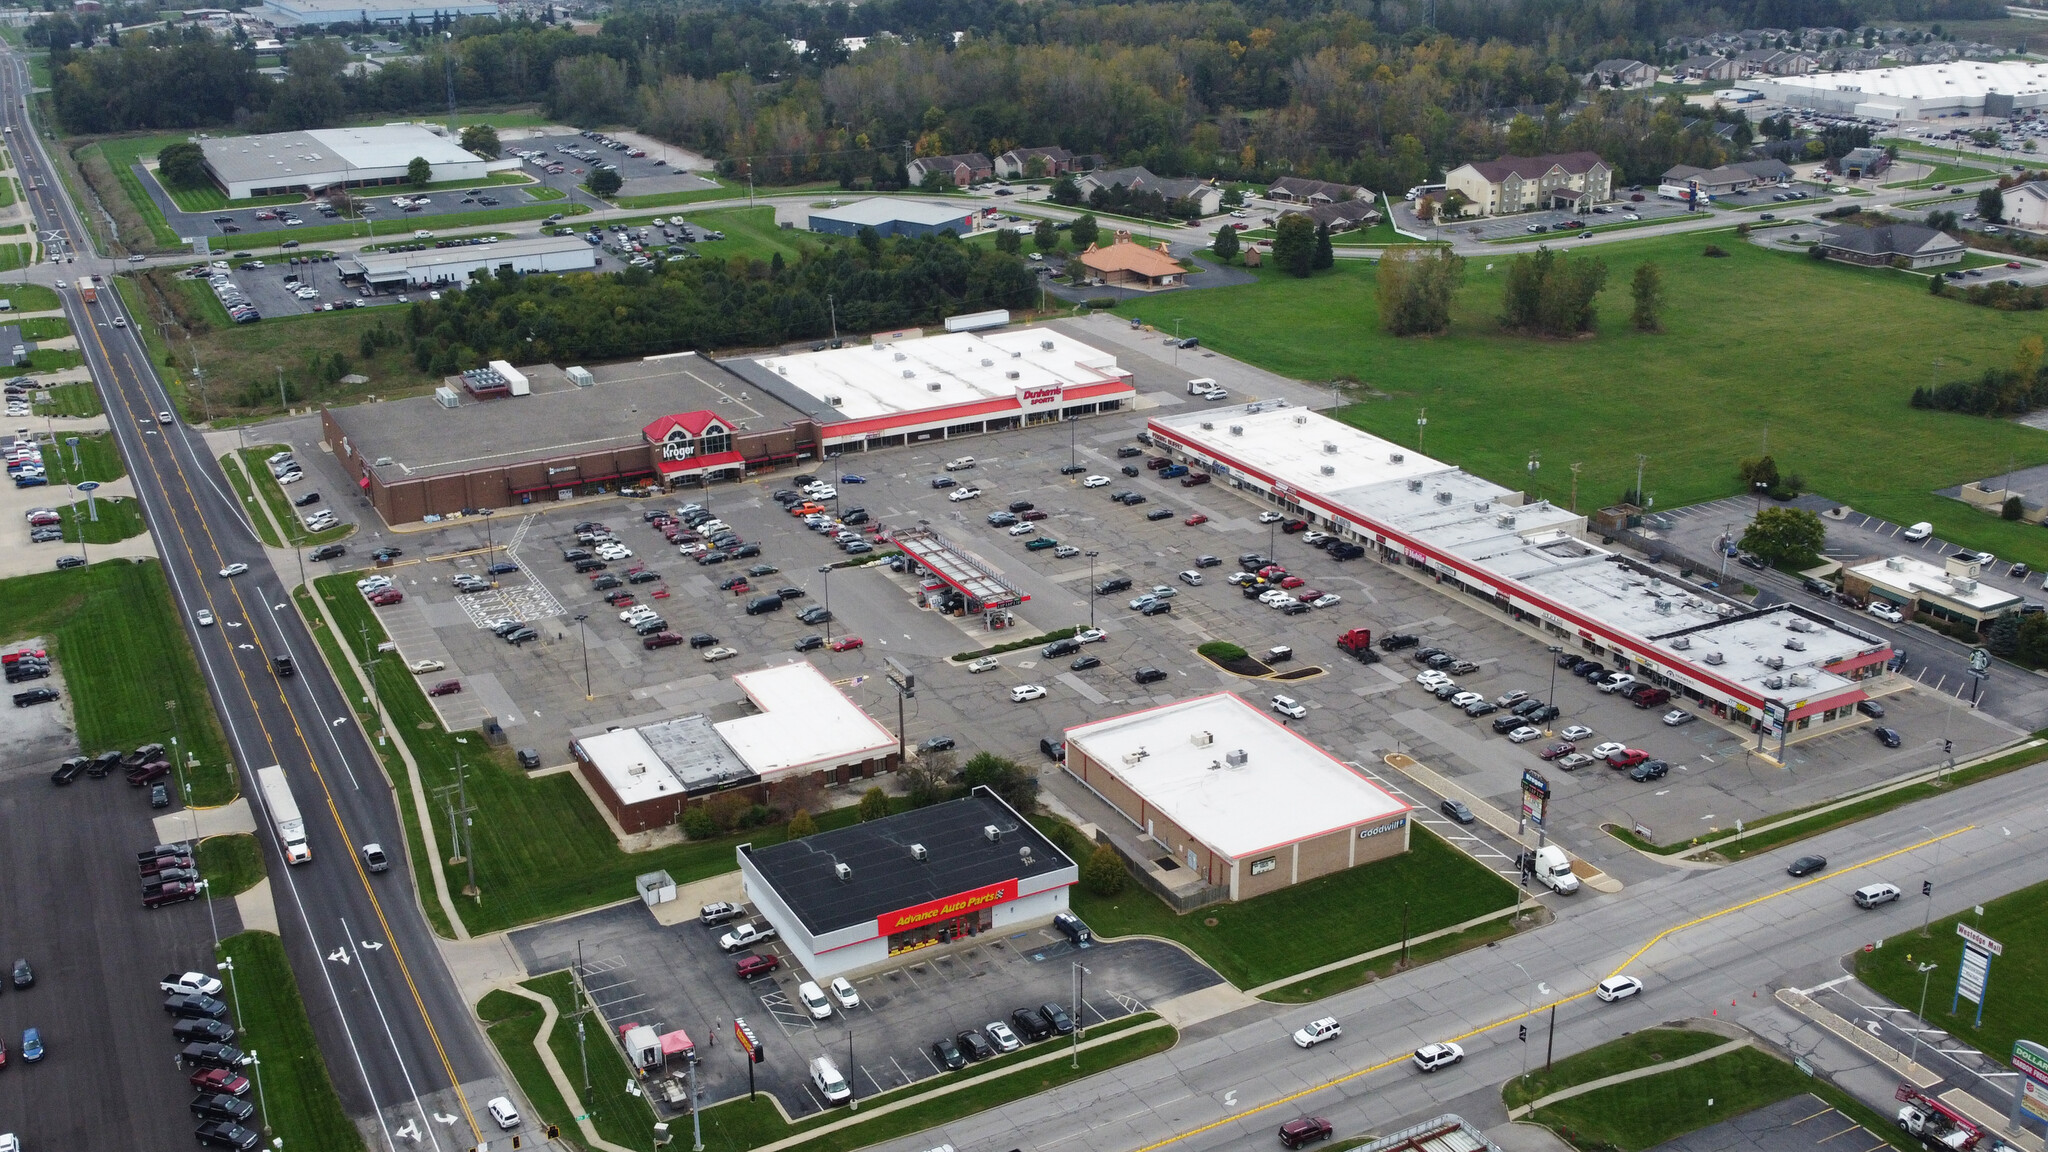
[(638, 971), (230, 226), (660, 170), (1516, 226)]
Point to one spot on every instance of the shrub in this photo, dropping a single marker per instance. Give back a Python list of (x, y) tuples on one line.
[(2013, 509), (1104, 873), (1715, 251), (874, 804), (1101, 303), (1221, 651), (698, 824), (801, 824)]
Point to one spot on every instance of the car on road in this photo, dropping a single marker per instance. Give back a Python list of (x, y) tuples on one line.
[(1316, 1031), (1871, 895), (234, 570), (847, 644), (1456, 810), (1806, 865), (1617, 988), (1024, 692), (1305, 1130), (1431, 1057), (502, 1111)]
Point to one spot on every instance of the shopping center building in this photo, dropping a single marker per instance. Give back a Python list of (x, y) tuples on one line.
[(1529, 559), (858, 897)]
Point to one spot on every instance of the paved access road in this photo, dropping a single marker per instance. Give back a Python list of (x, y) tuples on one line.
[(399, 1042)]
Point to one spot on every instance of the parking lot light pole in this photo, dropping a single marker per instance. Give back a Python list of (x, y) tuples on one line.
[(1080, 977), (852, 1089), (1091, 554), (1556, 650), (1926, 974), (227, 964), (584, 638)]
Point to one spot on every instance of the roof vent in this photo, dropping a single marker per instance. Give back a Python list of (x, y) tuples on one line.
[(383, 462), (901, 356), (1683, 643), (1236, 757), (1208, 426), (1481, 505), (1016, 355), (844, 871), (1896, 563), (1397, 458), (992, 833), (1330, 447), (1301, 420), (1773, 661), (1801, 678), (1013, 375), (1045, 345), (1024, 855), (1329, 469), (910, 373), (1203, 739), (1774, 682), (917, 852), (1505, 520), (835, 401), (783, 369), (1415, 484), (987, 363), (1664, 606), (1795, 644), (1714, 658), (1444, 497), (637, 770), (1237, 429), (1799, 624)]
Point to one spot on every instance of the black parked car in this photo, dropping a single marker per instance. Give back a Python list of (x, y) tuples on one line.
[(1397, 641), (69, 770), (1031, 1024), (974, 1046), (936, 744), (1062, 1024), (1112, 585), (947, 1054), (810, 643)]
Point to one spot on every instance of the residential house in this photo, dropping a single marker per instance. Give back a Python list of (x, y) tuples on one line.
[(2026, 206), (1572, 180), (1864, 162), (1130, 265), (1035, 163), (1622, 74), (963, 170), (1917, 246), (1300, 190), (1709, 68), (1207, 197), (1341, 216), (1776, 62)]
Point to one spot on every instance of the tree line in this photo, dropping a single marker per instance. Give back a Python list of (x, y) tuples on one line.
[(2007, 391)]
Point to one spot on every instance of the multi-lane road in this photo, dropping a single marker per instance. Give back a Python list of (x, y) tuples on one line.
[(399, 1042)]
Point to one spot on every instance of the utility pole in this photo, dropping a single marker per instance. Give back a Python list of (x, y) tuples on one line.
[(468, 820), (833, 305), (281, 405), (1080, 973), (1575, 487), (906, 687), (1640, 461)]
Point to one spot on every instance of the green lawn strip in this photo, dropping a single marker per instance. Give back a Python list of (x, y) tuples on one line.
[(10, 190), (1250, 941), (98, 457), (1732, 847), (1643, 1113), (512, 1022), (255, 460), (30, 297), (360, 230), (52, 359), (117, 641), (1944, 172), (1332, 982), (299, 1102), (545, 192), (619, 1117), (750, 232), (44, 328), (1636, 1050), (543, 849), (119, 518), (1570, 400), (1573, 233), (77, 400), (394, 767), (231, 864), (120, 156), (240, 482), (2011, 1011)]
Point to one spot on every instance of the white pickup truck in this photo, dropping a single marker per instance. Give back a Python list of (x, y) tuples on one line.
[(189, 984), (746, 936)]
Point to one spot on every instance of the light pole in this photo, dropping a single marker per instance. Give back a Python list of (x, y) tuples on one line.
[(1527, 1008), (1556, 650), (583, 638), (852, 1092), (1926, 974), (1091, 554), (1927, 885), (227, 964), (826, 569), (1080, 976), (489, 545), (1073, 449)]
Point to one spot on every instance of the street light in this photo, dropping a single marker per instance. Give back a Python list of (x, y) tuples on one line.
[(227, 964), (1091, 554), (1527, 1008), (1556, 650), (584, 638)]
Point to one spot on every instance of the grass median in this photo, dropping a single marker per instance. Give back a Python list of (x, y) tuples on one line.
[(232, 864), (512, 1022), (116, 638), (98, 458), (1636, 1050), (252, 505), (299, 1103), (103, 521), (256, 461), (71, 400), (2012, 1010)]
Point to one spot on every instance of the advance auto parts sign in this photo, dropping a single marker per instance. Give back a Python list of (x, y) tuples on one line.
[(945, 908)]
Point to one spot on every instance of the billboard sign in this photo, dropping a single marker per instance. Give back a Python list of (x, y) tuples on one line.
[(1535, 796), (945, 908)]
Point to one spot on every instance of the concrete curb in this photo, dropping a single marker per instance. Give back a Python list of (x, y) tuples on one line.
[(1624, 1077), (1884, 1054), (547, 1058), (1443, 785)]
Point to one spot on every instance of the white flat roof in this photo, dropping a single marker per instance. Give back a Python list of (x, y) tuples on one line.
[(1965, 80), (1286, 790), (474, 255), (325, 153), (878, 210), (805, 721), (630, 766), (903, 376), (1914, 575), (1759, 650)]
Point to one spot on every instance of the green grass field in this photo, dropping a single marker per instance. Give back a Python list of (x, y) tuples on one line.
[(620, 1117), (749, 232), (31, 297), (1695, 399), (361, 230), (76, 400), (1252, 942), (120, 155), (52, 359), (118, 641), (1644, 1113), (1636, 1050), (252, 506), (44, 328), (98, 458), (119, 519), (512, 1022), (668, 199), (299, 1102), (231, 864), (2011, 1010)]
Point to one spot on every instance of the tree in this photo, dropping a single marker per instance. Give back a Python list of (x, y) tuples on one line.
[(1065, 191), (1786, 537), (418, 172), (1233, 198), (1085, 230), (801, 824), (1104, 873), (2004, 636), (1414, 288), (341, 202), (1044, 236), (2012, 509), (1325, 255), (1294, 244), (924, 779), (874, 804), (1646, 288), (1006, 778), (1007, 240), (1991, 205), (181, 165), (605, 183), (1551, 293), (1761, 472), (1225, 244), (481, 139)]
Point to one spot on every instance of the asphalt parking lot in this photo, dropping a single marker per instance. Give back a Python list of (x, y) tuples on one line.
[(107, 1079), (647, 175), (389, 217), (639, 971), (1516, 227)]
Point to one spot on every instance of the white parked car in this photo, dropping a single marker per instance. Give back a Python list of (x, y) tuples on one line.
[(1885, 612), (1095, 482), (1289, 706), (717, 654), (1024, 529), (1268, 517), (1191, 578), (843, 992), (1617, 988), (1677, 716), (1575, 732), (1023, 692), (422, 667), (1327, 600), (1616, 682), (959, 494), (1000, 1035), (1316, 1031), (1091, 635), (1466, 699), (1603, 751), (1430, 678), (985, 664), (1524, 734), (814, 1000)]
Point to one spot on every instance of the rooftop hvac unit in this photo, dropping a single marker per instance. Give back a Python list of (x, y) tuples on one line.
[(1663, 606), (1045, 345), (1329, 469), (383, 462), (917, 852), (1397, 457), (1801, 678), (1795, 644), (580, 377), (843, 871), (1693, 601), (1964, 584), (1301, 420), (446, 397), (1202, 739), (1799, 624), (1481, 505), (1714, 658), (901, 356), (1208, 426), (780, 370), (932, 387), (1329, 447), (1773, 661), (1896, 563), (1415, 484), (1013, 375), (1444, 497), (1682, 643), (1237, 429), (991, 832), (637, 770), (1774, 682), (910, 373), (1134, 757), (1024, 854), (987, 363), (1504, 520), (1236, 757), (835, 401)]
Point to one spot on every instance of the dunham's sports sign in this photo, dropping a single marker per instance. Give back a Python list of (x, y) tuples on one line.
[(945, 908), (1039, 397)]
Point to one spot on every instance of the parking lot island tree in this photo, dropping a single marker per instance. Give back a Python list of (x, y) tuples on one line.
[(1786, 537), (605, 183), (418, 172)]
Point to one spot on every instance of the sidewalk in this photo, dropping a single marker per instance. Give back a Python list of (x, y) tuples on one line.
[(1624, 1077)]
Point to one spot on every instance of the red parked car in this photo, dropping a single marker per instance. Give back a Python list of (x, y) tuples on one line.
[(211, 1080), (1627, 758), (660, 640), (754, 964), (1196, 519), (847, 643), (1292, 582), (387, 597), (170, 894), (1292, 526), (445, 688)]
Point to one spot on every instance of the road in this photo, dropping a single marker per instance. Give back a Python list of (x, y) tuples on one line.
[(398, 1040)]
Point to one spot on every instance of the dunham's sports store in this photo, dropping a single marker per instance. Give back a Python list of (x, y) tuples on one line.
[(856, 897), (507, 436)]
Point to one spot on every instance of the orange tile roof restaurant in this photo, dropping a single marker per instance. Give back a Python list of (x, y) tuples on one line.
[(1132, 260)]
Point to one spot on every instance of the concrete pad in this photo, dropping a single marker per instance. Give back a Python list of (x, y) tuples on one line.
[(257, 909), (691, 898), (1202, 1004), (199, 823)]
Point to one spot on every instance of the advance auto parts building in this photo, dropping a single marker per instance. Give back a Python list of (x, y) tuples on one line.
[(856, 897)]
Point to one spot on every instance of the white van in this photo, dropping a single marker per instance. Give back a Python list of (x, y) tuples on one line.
[(1918, 532), (833, 1086), (1199, 385)]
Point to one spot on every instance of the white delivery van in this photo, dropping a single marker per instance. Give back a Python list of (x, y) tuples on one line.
[(831, 1085), (1918, 532), (1199, 385)]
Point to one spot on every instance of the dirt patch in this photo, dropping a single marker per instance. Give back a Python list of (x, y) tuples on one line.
[(1245, 666), (1299, 673)]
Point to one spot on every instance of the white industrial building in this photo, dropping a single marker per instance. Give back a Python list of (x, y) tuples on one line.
[(326, 13), (1915, 91), (455, 265), (897, 391), (283, 163), (856, 897), (804, 723), (1530, 559)]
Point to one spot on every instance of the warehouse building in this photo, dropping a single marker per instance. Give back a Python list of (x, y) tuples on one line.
[(328, 13), (285, 163), (1776, 670), (1235, 798), (459, 263), (892, 216), (857, 897), (1914, 92)]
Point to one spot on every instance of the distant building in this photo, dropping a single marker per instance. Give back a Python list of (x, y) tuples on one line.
[(2026, 206), (1622, 74), (1736, 177), (1949, 591), (1027, 163), (962, 170), (323, 13), (1775, 62), (1133, 265), (1207, 197), (1341, 217), (1860, 163), (1300, 190), (1571, 180), (1708, 68), (1918, 246), (893, 216), (287, 163)]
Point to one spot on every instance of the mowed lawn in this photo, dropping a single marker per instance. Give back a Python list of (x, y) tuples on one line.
[(1817, 360), (2012, 1011)]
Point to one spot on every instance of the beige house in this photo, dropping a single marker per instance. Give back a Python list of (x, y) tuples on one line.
[(1571, 180), (2026, 206)]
